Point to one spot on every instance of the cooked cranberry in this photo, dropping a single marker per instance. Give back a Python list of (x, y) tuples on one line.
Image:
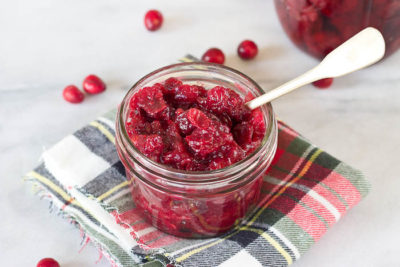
[(188, 94), (72, 94), (189, 128), (222, 100), (184, 124), (324, 83), (218, 163), (204, 142), (234, 153), (48, 262), (150, 145), (322, 41), (247, 49), (170, 85), (214, 55), (243, 133), (150, 99), (257, 120), (178, 159), (153, 20), (93, 84), (327, 7), (199, 119)]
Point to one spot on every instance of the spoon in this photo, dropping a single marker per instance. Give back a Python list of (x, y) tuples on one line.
[(362, 50)]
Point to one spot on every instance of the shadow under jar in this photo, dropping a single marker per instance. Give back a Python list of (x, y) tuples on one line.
[(196, 204), (319, 26)]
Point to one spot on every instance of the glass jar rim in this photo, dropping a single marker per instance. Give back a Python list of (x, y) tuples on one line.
[(269, 133)]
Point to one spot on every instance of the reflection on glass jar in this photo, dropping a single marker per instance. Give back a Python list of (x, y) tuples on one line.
[(319, 26), (204, 203)]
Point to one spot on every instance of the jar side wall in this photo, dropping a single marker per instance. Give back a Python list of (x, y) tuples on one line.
[(196, 204), (194, 217), (195, 213)]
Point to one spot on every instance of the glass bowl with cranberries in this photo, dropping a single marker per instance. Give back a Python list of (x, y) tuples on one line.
[(194, 155), (319, 26)]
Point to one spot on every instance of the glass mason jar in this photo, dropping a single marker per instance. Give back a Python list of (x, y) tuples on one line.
[(319, 26), (203, 203)]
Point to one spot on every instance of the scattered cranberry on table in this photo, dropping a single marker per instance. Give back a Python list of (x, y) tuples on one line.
[(93, 85), (190, 128), (153, 20), (323, 83), (72, 94), (48, 262), (247, 49), (214, 55)]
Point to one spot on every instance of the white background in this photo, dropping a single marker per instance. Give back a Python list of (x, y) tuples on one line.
[(47, 44)]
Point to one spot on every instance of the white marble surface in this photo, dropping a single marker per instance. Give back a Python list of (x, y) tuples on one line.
[(47, 44)]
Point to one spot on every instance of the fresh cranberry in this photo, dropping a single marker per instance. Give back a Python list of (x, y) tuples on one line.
[(153, 20), (93, 84), (323, 83), (48, 262), (214, 55), (72, 94), (247, 49)]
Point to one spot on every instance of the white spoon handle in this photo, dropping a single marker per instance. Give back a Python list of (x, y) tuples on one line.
[(363, 49)]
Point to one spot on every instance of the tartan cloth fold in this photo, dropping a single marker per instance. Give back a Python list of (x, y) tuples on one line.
[(305, 191)]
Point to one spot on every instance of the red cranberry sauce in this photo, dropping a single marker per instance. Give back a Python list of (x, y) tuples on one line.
[(190, 128), (319, 26), (191, 216)]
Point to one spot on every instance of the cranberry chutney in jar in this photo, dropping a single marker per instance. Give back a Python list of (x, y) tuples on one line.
[(194, 155), (319, 26)]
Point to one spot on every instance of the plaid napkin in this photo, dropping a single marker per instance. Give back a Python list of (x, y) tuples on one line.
[(305, 191)]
